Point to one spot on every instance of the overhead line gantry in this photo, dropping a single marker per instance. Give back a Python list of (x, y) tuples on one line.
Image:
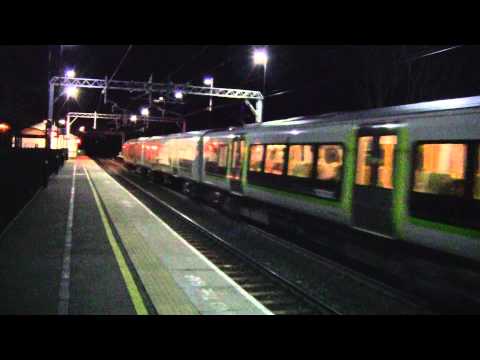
[(160, 89)]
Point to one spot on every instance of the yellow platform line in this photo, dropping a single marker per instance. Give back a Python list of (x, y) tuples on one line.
[(132, 288)]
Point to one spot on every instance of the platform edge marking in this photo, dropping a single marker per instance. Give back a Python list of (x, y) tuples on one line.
[(249, 297), (64, 291), (132, 288)]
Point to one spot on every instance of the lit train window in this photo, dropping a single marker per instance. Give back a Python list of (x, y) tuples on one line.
[(275, 159), (330, 162), (300, 161), (216, 155), (364, 169), (256, 158), (476, 188), (441, 169), (222, 155), (385, 169)]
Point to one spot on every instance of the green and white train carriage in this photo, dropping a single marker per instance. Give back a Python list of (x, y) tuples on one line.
[(407, 173)]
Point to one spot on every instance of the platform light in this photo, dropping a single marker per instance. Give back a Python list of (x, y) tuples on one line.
[(260, 57), (71, 92), (145, 112), (133, 118), (70, 73), (178, 95), (61, 121), (208, 81), (82, 129)]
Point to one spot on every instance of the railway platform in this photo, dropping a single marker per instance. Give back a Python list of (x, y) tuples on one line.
[(85, 245)]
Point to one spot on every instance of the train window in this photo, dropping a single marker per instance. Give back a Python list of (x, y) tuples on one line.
[(222, 155), (385, 166), (300, 161), (216, 157), (330, 162), (256, 158), (440, 169), (164, 154), (274, 159), (364, 169), (476, 188)]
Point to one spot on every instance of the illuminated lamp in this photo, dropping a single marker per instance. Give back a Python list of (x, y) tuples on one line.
[(4, 127)]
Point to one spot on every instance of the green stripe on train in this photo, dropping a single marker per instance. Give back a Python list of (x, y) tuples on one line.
[(229, 160), (400, 192), (348, 178), (245, 164), (446, 228), (215, 177), (307, 198)]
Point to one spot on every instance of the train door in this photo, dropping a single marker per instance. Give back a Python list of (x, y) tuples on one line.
[(373, 188), (236, 161)]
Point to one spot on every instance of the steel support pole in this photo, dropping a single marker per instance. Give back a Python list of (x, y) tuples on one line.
[(95, 120), (45, 167), (105, 90), (259, 111), (68, 125), (51, 93)]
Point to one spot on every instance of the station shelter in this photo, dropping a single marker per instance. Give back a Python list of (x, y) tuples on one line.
[(34, 137)]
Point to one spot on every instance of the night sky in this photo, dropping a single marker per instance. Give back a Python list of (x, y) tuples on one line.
[(301, 79)]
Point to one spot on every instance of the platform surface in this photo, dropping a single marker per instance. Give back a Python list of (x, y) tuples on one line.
[(85, 245)]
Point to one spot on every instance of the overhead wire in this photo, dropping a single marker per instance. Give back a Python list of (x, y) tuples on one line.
[(114, 72), (196, 56)]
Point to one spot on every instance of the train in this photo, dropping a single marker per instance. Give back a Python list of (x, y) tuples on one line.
[(408, 173)]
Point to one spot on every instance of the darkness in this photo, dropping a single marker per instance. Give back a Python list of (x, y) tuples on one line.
[(301, 80)]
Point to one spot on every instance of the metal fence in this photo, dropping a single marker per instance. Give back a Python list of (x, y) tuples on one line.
[(22, 173)]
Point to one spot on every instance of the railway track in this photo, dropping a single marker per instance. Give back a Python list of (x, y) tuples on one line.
[(280, 294)]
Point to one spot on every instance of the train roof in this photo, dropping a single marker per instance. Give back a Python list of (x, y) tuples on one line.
[(401, 110), (371, 114)]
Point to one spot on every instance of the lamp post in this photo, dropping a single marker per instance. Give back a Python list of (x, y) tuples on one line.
[(145, 112), (208, 81), (260, 57)]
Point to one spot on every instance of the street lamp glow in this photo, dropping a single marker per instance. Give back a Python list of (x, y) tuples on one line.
[(71, 92), (260, 57), (70, 73), (4, 127), (178, 95), (61, 121), (208, 81), (145, 112), (82, 129), (133, 118)]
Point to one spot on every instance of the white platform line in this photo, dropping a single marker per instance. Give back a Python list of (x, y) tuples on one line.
[(64, 292), (249, 297)]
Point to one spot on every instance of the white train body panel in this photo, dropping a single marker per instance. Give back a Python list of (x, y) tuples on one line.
[(300, 134)]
